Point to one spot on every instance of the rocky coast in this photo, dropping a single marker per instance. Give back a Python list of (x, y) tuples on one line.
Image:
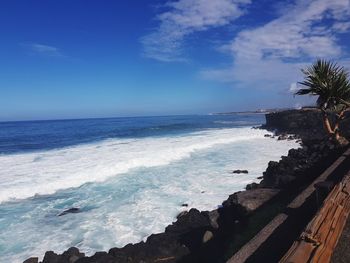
[(213, 236)]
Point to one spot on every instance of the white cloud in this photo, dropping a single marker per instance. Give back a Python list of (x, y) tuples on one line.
[(185, 17), (341, 27), (42, 49), (270, 56)]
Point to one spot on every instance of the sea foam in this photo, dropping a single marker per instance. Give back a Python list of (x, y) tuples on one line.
[(126, 189), (40, 173)]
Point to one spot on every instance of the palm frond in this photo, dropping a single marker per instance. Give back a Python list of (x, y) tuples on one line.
[(329, 81)]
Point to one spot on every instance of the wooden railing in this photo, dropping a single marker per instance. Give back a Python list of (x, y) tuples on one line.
[(253, 245), (320, 237)]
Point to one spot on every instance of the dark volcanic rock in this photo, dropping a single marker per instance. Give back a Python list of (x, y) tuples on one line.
[(191, 220), (251, 199), (52, 257), (192, 230), (240, 171), (157, 248), (181, 214), (305, 123), (282, 137), (72, 255), (100, 257), (31, 260), (72, 210), (252, 186), (292, 167), (208, 235)]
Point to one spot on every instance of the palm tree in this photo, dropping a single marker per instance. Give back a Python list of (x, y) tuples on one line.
[(330, 82)]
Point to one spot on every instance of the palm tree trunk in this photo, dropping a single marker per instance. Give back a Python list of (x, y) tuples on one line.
[(340, 139), (327, 123), (340, 116)]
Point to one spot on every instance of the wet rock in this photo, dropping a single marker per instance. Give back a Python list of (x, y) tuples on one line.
[(213, 218), (72, 210), (285, 180), (31, 260), (252, 186), (240, 171), (190, 220), (207, 236), (298, 153), (158, 248), (304, 123), (52, 257), (252, 199), (292, 137), (100, 257), (73, 254), (282, 137), (73, 259), (181, 214)]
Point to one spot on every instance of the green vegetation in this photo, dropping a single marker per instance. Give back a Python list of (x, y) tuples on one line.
[(330, 82)]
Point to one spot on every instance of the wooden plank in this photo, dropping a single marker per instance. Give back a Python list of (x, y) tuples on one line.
[(320, 237), (301, 249)]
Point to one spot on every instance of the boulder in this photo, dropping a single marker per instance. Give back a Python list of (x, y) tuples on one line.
[(100, 257), (207, 236), (252, 186), (213, 218), (31, 260), (73, 254), (72, 210), (282, 137), (252, 199), (181, 214), (188, 221), (52, 257), (240, 171)]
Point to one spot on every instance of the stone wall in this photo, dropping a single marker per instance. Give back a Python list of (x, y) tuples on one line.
[(306, 122)]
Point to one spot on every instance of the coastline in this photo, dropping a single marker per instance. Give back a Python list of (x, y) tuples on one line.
[(196, 235)]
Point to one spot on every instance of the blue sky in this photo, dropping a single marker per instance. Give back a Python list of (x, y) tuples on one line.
[(75, 59)]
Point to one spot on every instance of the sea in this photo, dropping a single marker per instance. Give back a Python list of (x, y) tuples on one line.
[(129, 177)]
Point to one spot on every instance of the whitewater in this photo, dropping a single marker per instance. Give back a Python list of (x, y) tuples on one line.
[(125, 187)]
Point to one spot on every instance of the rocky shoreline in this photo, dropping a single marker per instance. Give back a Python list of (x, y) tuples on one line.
[(202, 236)]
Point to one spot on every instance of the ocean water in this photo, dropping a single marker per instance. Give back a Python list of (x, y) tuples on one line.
[(128, 176)]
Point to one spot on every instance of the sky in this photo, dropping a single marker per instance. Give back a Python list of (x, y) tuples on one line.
[(88, 58)]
